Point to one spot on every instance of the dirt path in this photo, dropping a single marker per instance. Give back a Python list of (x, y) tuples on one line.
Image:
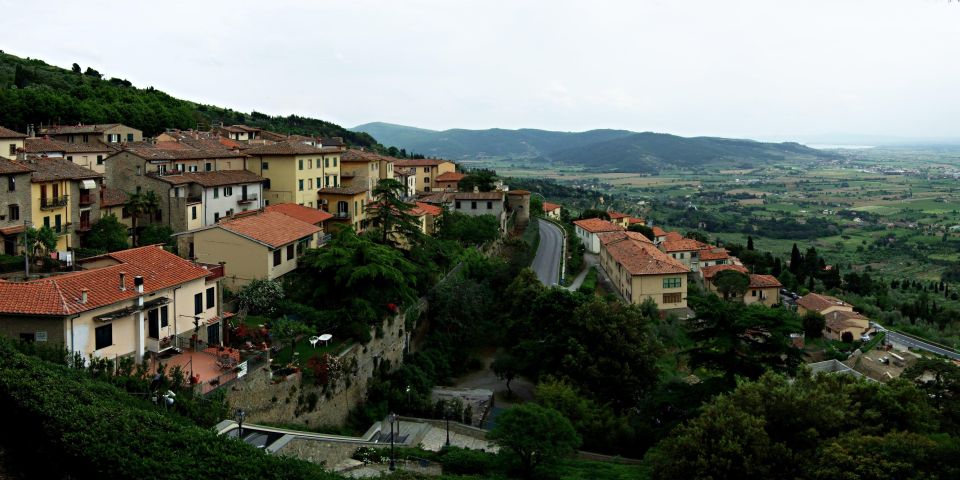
[(485, 378)]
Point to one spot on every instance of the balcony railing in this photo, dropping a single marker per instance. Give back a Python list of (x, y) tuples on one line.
[(216, 271), (52, 203), (342, 214), (250, 197), (86, 199)]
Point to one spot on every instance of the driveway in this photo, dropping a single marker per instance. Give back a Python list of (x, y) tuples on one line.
[(546, 264)]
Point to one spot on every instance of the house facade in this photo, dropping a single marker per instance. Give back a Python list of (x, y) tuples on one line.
[(16, 205), (294, 171), (640, 271), (588, 231), (763, 289), (105, 132), (449, 181), (348, 205), (552, 210), (427, 171), (65, 197), (11, 142), (478, 203), (840, 316), (90, 155)]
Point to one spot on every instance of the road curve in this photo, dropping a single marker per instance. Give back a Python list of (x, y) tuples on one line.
[(546, 264), (919, 344)]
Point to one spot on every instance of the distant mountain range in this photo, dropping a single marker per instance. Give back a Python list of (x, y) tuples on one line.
[(610, 150)]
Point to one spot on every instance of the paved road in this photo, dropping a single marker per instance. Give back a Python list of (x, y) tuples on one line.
[(546, 263), (895, 337)]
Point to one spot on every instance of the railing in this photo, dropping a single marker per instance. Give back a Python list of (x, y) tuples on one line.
[(194, 199), (51, 203), (84, 226), (342, 214), (86, 199), (250, 197), (325, 238), (216, 271)]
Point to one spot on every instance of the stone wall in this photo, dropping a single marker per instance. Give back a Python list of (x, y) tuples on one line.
[(329, 454), (287, 400)]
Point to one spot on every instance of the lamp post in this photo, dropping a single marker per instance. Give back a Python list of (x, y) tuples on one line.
[(393, 461), (446, 415), (240, 415)]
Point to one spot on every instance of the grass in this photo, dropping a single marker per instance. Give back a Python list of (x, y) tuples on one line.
[(589, 285), (305, 351)]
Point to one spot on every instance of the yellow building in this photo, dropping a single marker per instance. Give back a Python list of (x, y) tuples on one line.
[(427, 171), (123, 304), (348, 205), (638, 270), (104, 132), (262, 244), (10, 143), (552, 210), (294, 171), (360, 168), (64, 197), (839, 315), (92, 155), (763, 289)]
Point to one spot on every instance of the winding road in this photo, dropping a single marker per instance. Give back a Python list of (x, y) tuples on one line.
[(546, 263), (901, 339)]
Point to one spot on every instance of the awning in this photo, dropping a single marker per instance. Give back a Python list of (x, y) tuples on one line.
[(88, 184)]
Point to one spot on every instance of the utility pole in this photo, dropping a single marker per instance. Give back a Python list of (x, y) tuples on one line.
[(26, 250)]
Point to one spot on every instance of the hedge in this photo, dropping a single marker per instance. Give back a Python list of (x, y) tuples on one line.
[(63, 423)]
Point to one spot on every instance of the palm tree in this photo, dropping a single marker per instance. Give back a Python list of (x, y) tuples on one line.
[(141, 204)]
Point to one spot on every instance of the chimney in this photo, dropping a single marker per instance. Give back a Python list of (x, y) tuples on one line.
[(476, 189), (138, 282), (84, 294), (123, 281)]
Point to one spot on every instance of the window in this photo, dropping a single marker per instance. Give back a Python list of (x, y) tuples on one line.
[(489, 205), (13, 149), (300, 164), (129, 137), (310, 163), (216, 192), (426, 169), (300, 184), (277, 259), (473, 205), (326, 161), (208, 167), (176, 192), (326, 181), (319, 183), (193, 212), (139, 172), (227, 191), (159, 216), (211, 297), (265, 166), (13, 212), (426, 180), (672, 297), (11, 183), (672, 282), (104, 336), (458, 205), (99, 159), (57, 222), (753, 293), (290, 252), (70, 157), (164, 316), (309, 184), (335, 161), (198, 304)]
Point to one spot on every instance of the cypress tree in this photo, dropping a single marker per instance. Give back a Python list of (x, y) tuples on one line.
[(796, 260), (749, 242)]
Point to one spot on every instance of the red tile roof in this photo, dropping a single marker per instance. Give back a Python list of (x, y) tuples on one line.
[(596, 225), (633, 220), (304, 214), (289, 148), (47, 169), (7, 133), (819, 303), (211, 179), (343, 190), (357, 155), (112, 197), (658, 232), (549, 207), (711, 254), (617, 215), (151, 152), (67, 129), (47, 145), (683, 245), (10, 166), (273, 229), (610, 237), (60, 295), (764, 281), (421, 162), (641, 258), (430, 209), (477, 196), (450, 177), (712, 270)]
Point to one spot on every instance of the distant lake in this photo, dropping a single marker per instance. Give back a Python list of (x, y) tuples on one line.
[(840, 147)]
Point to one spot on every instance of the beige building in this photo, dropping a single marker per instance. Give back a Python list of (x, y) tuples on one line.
[(552, 210), (363, 169), (90, 155), (763, 289), (294, 171), (687, 250), (348, 205), (262, 244), (66, 198), (427, 171), (449, 181), (640, 271), (589, 230), (10, 143), (105, 132), (123, 304), (839, 315)]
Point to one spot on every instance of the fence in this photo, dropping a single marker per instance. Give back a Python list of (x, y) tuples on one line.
[(241, 369)]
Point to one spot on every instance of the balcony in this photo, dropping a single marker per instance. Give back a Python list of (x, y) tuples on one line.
[(86, 199), (192, 200), (342, 215), (158, 345), (249, 198), (216, 271), (53, 203)]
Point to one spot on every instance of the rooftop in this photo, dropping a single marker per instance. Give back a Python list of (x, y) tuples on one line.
[(358, 155), (112, 197), (80, 128), (610, 237), (617, 215), (47, 169), (61, 295), (712, 270), (549, 207), (683, 245), (477, 196), (819, 303), (714, 254), (764, 281), (10, 166), (289, 147), (45, 145), (271, 228), (642, 258), (7, 133), (658, 232), (450, 177), (154, 152), (596, 225), (343, 190), (299, 212), (430, 209), (210, 179)]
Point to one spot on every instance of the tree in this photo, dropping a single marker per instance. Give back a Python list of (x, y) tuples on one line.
[(391, 215), (796, 261), (749, 242), (261, 296), (288, 329), (76, 68), (483, 179), (643, 230), (468, 229), (698, 236), (138, 205), (594, 213), (506, 367), (39, 241), (536, 205), (156, 233), (108, 234), (92, 73), (813, 324), (731, 283), (535, 435)]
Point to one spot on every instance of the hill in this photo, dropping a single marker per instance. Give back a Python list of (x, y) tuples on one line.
[(612, 150), (33, 92), (460, 144), (651, 152)]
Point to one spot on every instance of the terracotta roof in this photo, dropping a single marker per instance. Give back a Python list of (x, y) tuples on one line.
[(46, 169), (289, 148), (478, 196), (210, 179), (112, 197), (304, 214), (422, 162), (633, 220), (238, 128), (151, 152), (10, 166), (271, 228), (711, 254), (658, 232), (549, 207), (46, 145), (712, 270), (68, 129), (841, 320), (342, 190), (617, 215), (403, 171), (641, 258), (610, 237), (673, 236), (450, 177), (683, 245), (764, 281), (430, 209), (7, 133), (357, 155), (596, 225), (819, 303), (515, 192), (60, 295)]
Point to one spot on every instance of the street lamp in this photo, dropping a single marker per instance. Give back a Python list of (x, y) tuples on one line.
[(393, 461), (240, 415)]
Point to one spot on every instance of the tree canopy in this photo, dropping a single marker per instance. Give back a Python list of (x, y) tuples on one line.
[(108, 234), (535, 435)]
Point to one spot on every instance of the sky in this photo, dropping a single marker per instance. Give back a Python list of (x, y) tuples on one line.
[(766, 69)]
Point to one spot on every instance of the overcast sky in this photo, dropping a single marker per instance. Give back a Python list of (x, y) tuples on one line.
[(751, 68)]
